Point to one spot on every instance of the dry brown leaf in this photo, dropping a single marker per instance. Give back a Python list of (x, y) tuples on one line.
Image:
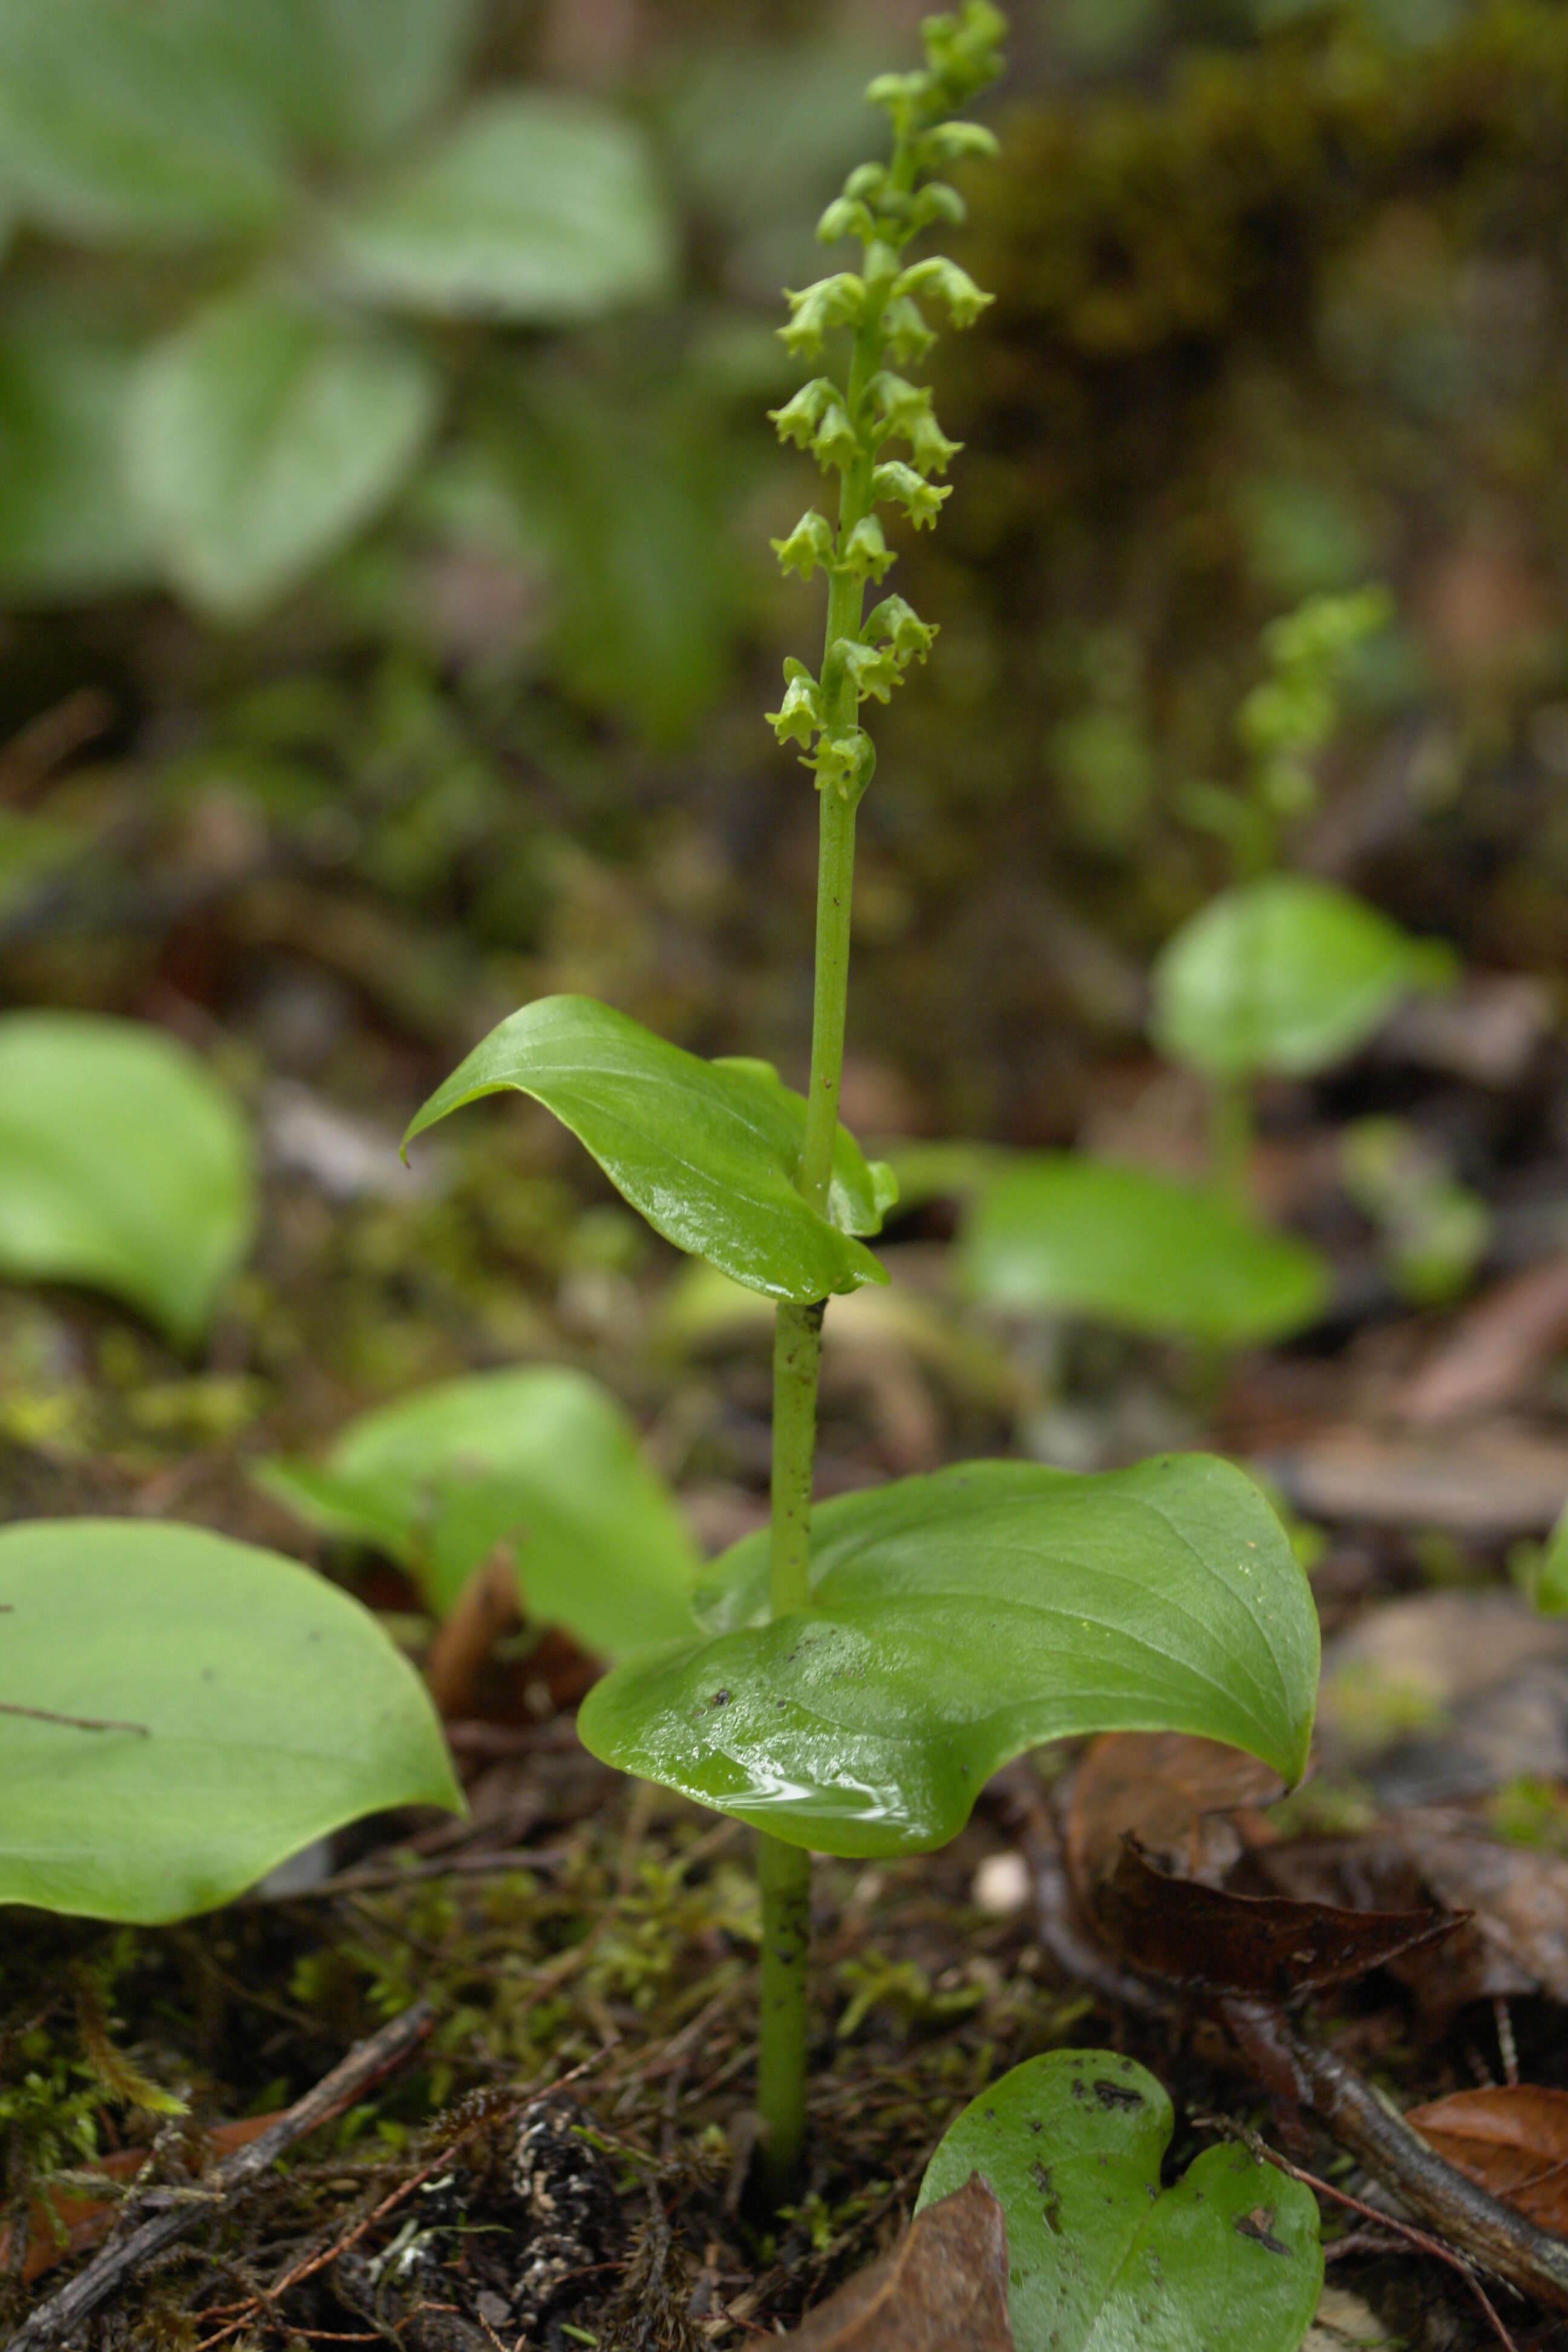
[(1493, 1351), (1261, 1947), (1512, 2141), (1499, 1480), (943, 2288), (1170, 1790)]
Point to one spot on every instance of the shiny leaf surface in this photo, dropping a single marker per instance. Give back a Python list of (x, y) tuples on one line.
[(123, 1165), (536, 206), (958, 1619), (706, 1150), (216, 1709), (1102, 2259), (1057, 1233), (262, 437), (1288, 974), (543, 1461)]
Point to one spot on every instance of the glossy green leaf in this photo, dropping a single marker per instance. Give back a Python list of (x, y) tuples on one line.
[(68, 527), (1100, 2257), (263, 436), (1057, 1233), (124, 1165), (706, 1150), (537, 205), (123, 123), (1286, 974), (958, 1619), (543, 1460), (225, 1706)]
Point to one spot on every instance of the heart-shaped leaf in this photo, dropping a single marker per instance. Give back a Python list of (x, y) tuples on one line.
[(541, 1460), (178, 1713), (1287, 973), (537, 206), (706, 1150), (1057, 1232), (120, 123), (262, 436), (958, 1619), (122, 1164), (1101, 2259)]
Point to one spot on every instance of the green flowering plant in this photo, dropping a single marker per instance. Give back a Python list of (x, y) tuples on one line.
[(858, 1669)]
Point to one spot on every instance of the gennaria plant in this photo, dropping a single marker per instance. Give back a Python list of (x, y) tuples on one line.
[(863, 1668)]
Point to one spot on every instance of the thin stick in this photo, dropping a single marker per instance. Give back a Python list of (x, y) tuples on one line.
[(1388, 2222), (53, 2321), (74, 1722)]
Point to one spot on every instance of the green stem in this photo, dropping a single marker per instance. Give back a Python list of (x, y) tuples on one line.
[(784, 1872), (1230, 1137)]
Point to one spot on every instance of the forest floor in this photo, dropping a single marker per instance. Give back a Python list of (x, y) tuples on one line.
[(562, 2158)]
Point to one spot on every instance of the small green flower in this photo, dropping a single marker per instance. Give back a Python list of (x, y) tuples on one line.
[(953, 142), (799, 717), (920, 500), (808, 544), (872, 667), (799, 417), (836, 302), (964, 299), (897, 623), (836, 441), (845, 762), (866, 551), (905, 331)]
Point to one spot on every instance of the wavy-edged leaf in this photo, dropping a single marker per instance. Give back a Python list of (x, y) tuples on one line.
[(217, 1708), (1102, 2259), (706, 1150), (124, 1165), (68, 527), (1057, 1233), (541, 1459), (1287, 973), (122, 123), (537, 205), (262, 437), (958, 1619)]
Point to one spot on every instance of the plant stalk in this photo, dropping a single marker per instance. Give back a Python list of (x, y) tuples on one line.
[(784, 1872)]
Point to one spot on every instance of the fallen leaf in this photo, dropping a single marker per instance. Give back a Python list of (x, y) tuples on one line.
[(1172, 1792), (1499, 1480), (488, 1606), (62, 2223), (1493, 1351), (1519, 1896), (943, 2288), (1512, 2141), (1342, 2322), (1263, 1947)]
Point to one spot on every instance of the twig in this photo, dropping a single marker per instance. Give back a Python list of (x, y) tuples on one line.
[(1386, 2221), (365, 2062), (1496, 2236)]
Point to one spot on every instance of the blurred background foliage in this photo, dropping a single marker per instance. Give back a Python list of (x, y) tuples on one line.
[(384, 496)]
